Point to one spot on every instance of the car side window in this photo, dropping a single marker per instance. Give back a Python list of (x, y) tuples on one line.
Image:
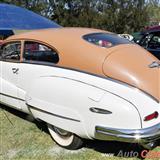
[(105, 40), (34, 51), (155, 42), (11, 51)]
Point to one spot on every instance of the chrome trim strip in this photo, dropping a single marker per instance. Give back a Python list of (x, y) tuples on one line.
[(6, 95), (56, 115), (99, 110), (142, 136), (104, 77)]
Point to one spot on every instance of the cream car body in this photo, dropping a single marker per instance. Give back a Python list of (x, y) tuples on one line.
[(78, 96)]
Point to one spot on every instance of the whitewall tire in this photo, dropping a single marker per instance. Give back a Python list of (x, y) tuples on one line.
[(64, 138)]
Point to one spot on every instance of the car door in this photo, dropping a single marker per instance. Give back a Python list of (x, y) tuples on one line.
[(35, 59), (9, 70)]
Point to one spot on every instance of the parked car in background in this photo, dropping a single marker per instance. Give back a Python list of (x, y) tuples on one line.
[(150, 40), (5, 34), (84, 84)]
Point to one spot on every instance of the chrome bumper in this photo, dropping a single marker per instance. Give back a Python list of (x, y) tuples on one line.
[(141, 136)]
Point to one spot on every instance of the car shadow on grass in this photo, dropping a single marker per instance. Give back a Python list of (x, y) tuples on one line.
[(107, 148), (117, 149)]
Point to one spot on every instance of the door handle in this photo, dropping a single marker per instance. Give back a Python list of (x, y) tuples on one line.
[(154, 64), (15, 70)]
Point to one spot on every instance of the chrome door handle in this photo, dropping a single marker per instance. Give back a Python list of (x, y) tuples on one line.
[(15, 70), (154, 64)]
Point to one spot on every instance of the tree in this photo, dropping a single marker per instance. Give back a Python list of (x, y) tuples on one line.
[(74, 12), (114, 15), (154, 11), (125, 15)]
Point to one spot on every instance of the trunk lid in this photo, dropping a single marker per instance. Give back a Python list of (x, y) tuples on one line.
[(130, 64)]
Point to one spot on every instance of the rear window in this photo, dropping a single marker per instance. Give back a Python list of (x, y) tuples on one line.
[(106, 40)]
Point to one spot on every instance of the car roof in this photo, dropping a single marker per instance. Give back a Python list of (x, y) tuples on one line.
[(46, 34), (151, 31), (70, 45)]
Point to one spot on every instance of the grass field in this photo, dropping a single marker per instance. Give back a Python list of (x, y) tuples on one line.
[(22, 138)]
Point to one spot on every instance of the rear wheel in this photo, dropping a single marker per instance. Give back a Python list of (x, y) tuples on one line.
[(64, 138)]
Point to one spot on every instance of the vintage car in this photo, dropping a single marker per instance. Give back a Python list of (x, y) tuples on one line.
[(84, 84)]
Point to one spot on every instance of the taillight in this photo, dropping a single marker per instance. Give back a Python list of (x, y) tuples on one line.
[(151, 116)]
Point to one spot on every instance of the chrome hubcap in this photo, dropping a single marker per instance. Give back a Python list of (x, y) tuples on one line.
[(62, 132)]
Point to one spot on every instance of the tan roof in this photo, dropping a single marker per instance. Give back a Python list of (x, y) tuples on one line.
[(127, 62), (47, 34), (70, 44)]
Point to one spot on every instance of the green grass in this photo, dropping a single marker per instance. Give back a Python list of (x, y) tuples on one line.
[(23, 139)]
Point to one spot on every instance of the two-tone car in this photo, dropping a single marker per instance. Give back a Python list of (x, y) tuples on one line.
[(84, 84)]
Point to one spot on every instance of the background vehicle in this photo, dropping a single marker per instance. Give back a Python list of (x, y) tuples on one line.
[(151, 41)]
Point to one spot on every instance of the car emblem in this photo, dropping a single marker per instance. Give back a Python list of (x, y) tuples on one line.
[(154, 64)]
